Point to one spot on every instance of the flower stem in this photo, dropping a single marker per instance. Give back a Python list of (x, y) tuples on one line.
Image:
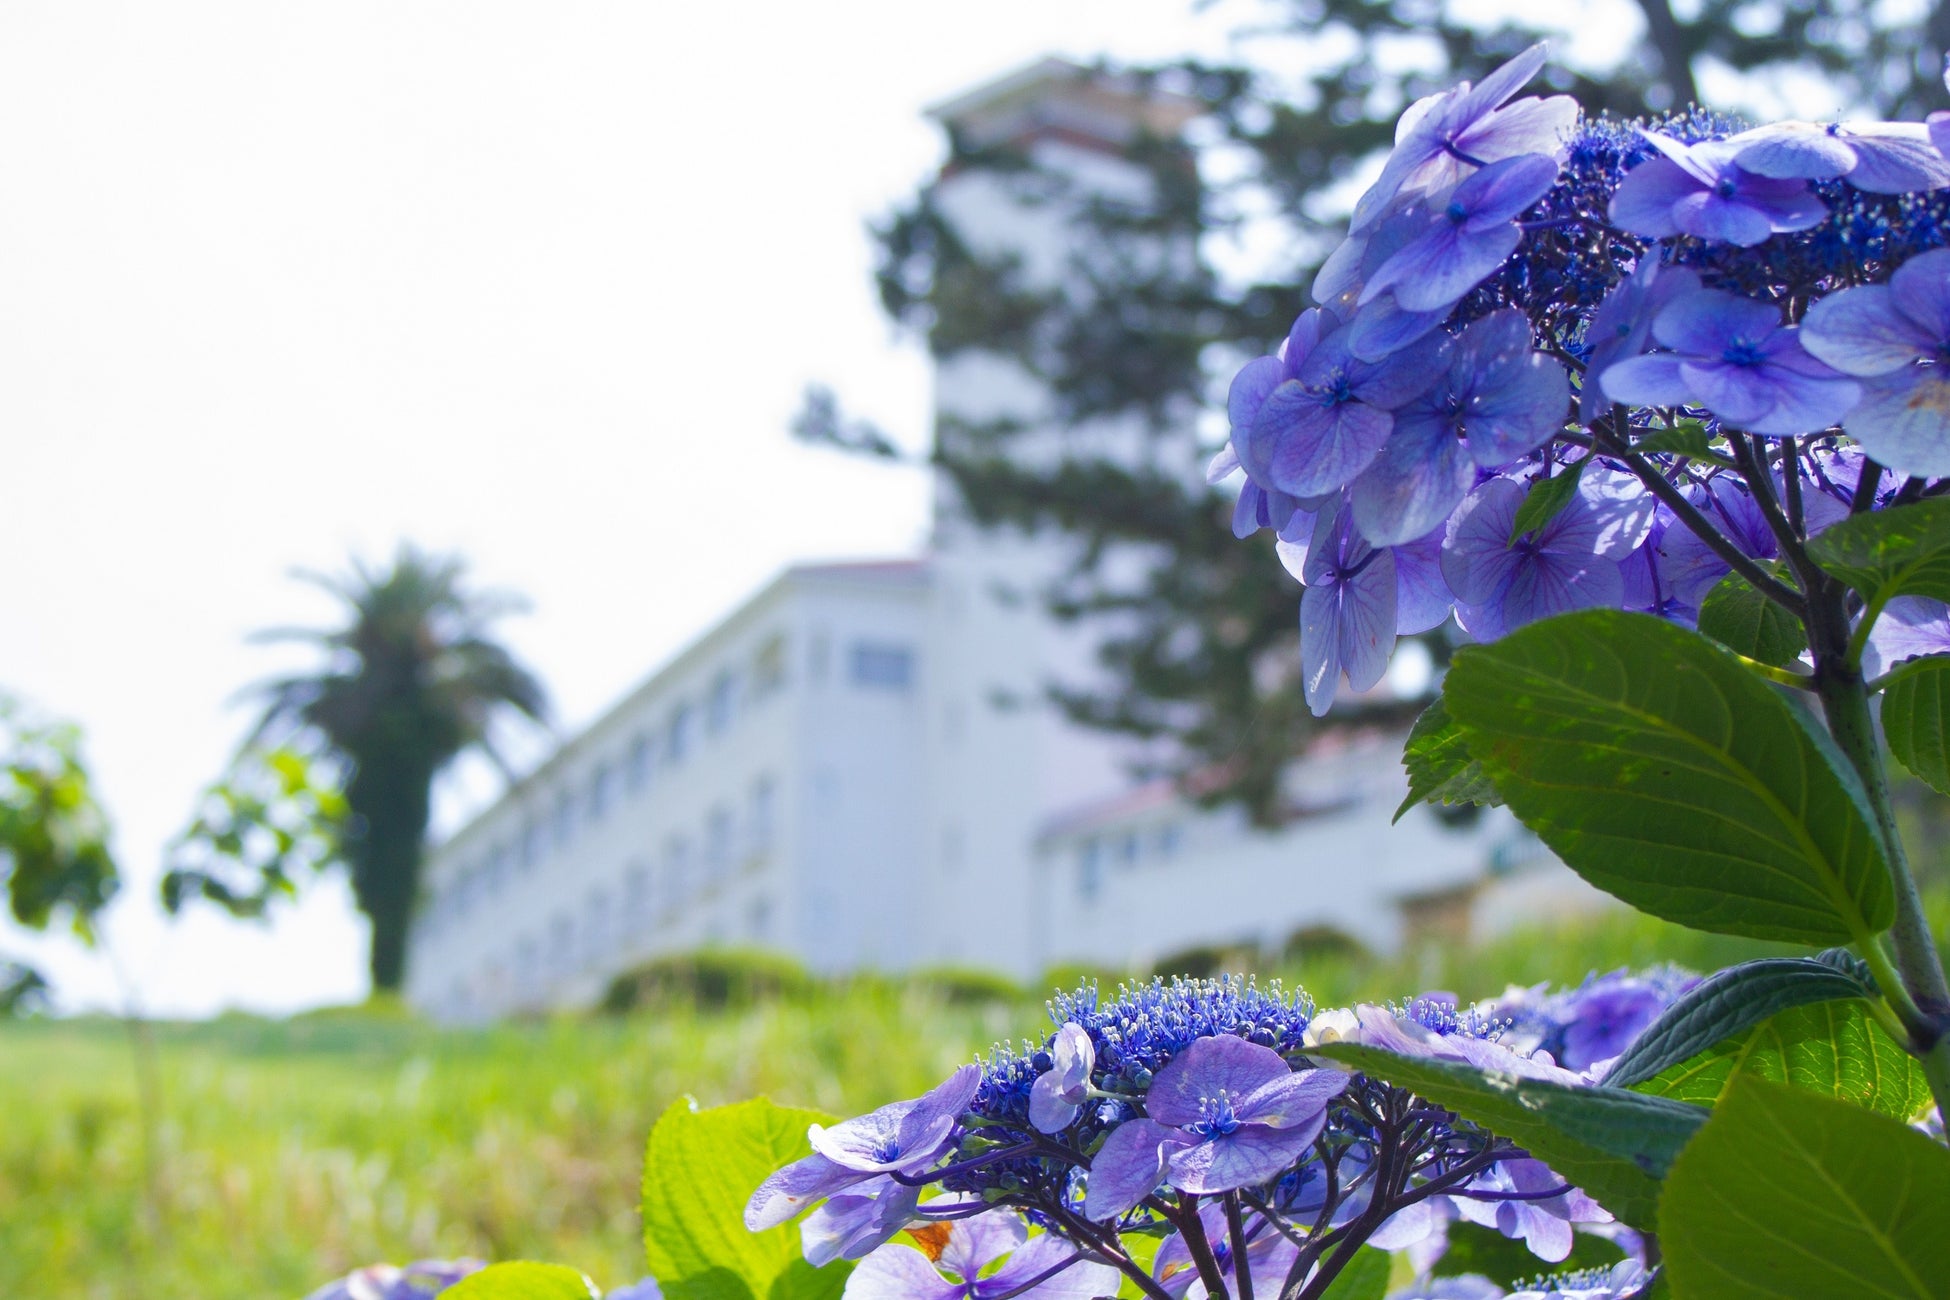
[(1918, 965)]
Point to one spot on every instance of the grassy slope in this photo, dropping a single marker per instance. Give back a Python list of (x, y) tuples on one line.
[(290, 1152)]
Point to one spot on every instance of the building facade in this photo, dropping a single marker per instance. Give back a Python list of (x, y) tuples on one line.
[(853, 767)]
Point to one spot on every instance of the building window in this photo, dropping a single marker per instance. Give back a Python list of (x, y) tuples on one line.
[(677, 739), (879, 666), (561, 944), (534, 842), (768, 669), (500, 866), (764, 797), (601, 787), (677, 873), (1169, 836), (636, 894), (717, 843), (758, 920), (597, 926), (720, 703), (1090, 870), (528, 965), (565, 818), (636, 770)]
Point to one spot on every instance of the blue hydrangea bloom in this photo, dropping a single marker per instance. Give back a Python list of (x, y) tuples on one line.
[(1699, 190), (1496, 400), (1734, 357), (1041, 1268), (1894, 338)]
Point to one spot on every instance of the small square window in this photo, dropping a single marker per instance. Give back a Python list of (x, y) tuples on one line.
[(721, 703), (879, 666)]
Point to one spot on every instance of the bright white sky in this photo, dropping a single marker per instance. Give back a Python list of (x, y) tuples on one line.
[(539, 283)]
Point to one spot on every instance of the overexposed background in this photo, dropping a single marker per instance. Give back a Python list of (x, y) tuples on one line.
[(537, 283)]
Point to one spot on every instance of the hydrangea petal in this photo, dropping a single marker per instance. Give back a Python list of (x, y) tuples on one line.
[(1129, 1166), (1894, 157), (978, 1241), (1903, 420), (1800, 150), (1422, 597), (1644, 200), (1082, 1280), (1205, 1068), (1347, 627), (1246, 1157), (899, 1272), (1475, 550), (1309, 446), (1922, 288), (1413, 485), (793, 1188), (1861, 332), (1653, 380)]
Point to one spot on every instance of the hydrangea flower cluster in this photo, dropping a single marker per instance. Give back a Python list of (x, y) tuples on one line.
[(1195, 1113), (1562, 363)]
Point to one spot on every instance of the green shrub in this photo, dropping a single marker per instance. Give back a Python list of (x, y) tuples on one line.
[(711, 978)]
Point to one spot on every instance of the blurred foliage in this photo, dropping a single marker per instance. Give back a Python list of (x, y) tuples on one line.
[(408, 681), (291, 1151), (711, 978), (274, 819), (1200, 650), (54, 853)]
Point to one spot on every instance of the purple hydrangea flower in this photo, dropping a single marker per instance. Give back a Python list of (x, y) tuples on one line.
[(1879, 157), (1443, 137), (1501, 584), (1939, 128), (1622, 326), (857, 1219), (904, 1137), (1496, 399), (1043, 1268), (1469, 237), (1323, 425), (1464, 1286), (642, 1289), (1623, 1279), (1601, 1019), (1895, 338), (1222, 1114), (1909, 627), (1699, 190), (1060, 1091), (1543, 1224), (1733, 356), (421, 1280), (1349, 610)]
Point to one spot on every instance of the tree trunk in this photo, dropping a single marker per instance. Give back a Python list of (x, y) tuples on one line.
[(1675, 53), (391, 801)]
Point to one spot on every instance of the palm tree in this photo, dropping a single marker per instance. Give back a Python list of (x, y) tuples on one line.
[(410, 681)]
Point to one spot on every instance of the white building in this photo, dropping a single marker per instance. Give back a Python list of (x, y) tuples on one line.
[(827, 772)]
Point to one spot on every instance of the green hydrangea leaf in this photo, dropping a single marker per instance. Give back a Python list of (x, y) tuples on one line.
[(1916, 718), (1832, 1048), (1665, 772), (1614, 1143), (1439, 767), (1904, 551), (702, 1166), (1731, 1001), (1786, 1195), (1748, 623)]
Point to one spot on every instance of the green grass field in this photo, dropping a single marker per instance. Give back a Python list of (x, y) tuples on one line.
[(288, 1152)]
